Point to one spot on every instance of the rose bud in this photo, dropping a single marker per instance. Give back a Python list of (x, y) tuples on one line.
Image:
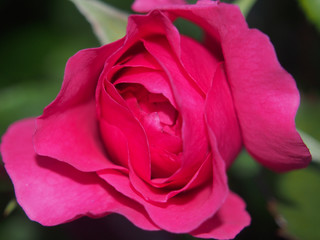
[(147, 126)]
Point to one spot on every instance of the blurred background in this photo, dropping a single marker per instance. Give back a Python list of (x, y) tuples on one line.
[(37, 38)]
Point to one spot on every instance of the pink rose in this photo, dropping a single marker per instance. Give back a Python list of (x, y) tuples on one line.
[(147, 126)]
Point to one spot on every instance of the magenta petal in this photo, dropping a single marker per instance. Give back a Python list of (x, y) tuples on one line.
[(221, 117), (153, 81), (162, 40), (198, 62), (181, 213), (190, 103), (81, 76), (68, 129), (137, 56), (188, 210), (147, 5), (52, 192), (155, 191), (133, 186), (184, 212), (116, 143), (114, 111), (73, 138), (227, 222), (265, 95)]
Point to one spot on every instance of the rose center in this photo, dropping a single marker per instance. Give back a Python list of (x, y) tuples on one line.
[(161, 123), (153, 110)]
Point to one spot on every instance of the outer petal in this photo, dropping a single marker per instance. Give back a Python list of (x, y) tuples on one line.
[(227, 223), (187, 211), (147, 5), (52, 192), (68, 128), (181, 213), (221, 117), (155, 192), (265, 95)]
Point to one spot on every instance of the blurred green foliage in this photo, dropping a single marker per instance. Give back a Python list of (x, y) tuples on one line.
[(108, 23), (312, 9), (300, 190), (245, 5), (33, 55)]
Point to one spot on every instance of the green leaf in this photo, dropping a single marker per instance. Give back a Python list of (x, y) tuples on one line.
[(307, 122), (313, 145), (108, 23), (245, 6), (11, 206), (300, 206), (312, 10), (300, 189), (308, 115)]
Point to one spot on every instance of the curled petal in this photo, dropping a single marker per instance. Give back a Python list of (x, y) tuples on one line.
[(115, 111), (153, 81), (183, 212), (265, 96), (74, 138), (68, 128), (227, 222)]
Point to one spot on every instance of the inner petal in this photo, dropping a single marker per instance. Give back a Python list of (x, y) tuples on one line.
[(153, 110), (137, 56), (160, 121)]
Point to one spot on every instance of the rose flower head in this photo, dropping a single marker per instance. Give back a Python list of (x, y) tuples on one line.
[(147, 126)]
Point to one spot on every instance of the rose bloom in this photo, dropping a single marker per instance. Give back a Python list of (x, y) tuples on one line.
[(148, 125)]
